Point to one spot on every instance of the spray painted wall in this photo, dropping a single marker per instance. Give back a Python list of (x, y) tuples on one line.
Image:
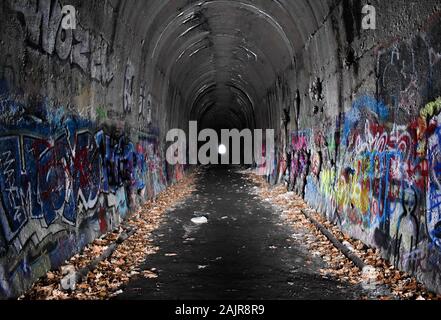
[(364, 147), (78, 149), (84, 115), (64, 181)]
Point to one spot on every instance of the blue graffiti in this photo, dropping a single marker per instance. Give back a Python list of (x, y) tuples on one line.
[(383, 186), (47, 173), (353, 117), (13, 197)]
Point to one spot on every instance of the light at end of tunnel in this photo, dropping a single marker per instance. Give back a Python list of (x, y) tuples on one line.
[(222, 149)]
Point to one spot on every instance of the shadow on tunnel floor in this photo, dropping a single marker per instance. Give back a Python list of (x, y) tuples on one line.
[(243, 252)]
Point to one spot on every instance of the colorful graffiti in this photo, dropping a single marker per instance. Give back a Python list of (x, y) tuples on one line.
[(376, 169), (386, 179), (63, 182), (377, 173), (433, 215), (300, 160)]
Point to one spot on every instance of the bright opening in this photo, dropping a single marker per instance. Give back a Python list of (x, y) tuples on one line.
[(222, 149)]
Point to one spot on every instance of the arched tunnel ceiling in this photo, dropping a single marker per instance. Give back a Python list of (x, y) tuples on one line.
[(223, 55)]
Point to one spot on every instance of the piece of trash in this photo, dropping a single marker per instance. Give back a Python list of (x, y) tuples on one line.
[(118, 292), (224, 218), (369, 274), (149, 275), (199, 220), (171, 254), (202, 267), (316, 254)]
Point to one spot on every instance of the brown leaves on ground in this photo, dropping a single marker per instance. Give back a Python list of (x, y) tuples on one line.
[(402, 285), (105, 281)]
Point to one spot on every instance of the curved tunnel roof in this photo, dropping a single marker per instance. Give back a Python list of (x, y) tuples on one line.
[(222, 55)]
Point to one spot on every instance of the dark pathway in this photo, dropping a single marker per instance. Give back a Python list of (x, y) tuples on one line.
[(243, 252)]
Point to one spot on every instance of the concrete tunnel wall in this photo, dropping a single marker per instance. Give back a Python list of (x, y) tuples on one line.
[(84, 114)]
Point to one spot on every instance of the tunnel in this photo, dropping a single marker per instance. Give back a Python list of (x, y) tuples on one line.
[(89, 91)]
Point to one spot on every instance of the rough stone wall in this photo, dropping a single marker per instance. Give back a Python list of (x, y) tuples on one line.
[(80, 141), (364, 142)]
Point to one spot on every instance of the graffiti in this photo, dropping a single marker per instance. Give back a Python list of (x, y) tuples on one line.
[(365, 103), (316, 164), (327, 182), (101, 114), (43, 179), (261, 168), (54, 179), (149, 109), (375, 169), (433, 215), (427, 260), (142, 103), (179, 172), (301, 140), (316, 90), (430, 110), (380, 165), (300, 160), (312, 192), (386, 179), (43, 21), (145, 105), (65, 182), (12, 196), (129, 79), (155, 168), (407, 69), (383, 174)]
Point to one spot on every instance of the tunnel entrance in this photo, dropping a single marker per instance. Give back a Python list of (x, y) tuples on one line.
[(226, 153), (234, 150), (220, 146)]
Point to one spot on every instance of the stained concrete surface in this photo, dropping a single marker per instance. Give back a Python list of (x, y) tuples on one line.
[(245, 251)]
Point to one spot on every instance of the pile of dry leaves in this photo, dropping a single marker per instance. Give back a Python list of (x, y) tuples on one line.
[(402, 285), (106, 279)]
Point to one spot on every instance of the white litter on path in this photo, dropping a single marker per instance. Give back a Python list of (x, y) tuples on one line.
[(369, 277), (199, 220)]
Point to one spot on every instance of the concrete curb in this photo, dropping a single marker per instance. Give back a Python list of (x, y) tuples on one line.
[(70, 281), (356, 260)]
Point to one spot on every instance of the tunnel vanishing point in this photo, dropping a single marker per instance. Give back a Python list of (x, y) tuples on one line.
[(84, 114)]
